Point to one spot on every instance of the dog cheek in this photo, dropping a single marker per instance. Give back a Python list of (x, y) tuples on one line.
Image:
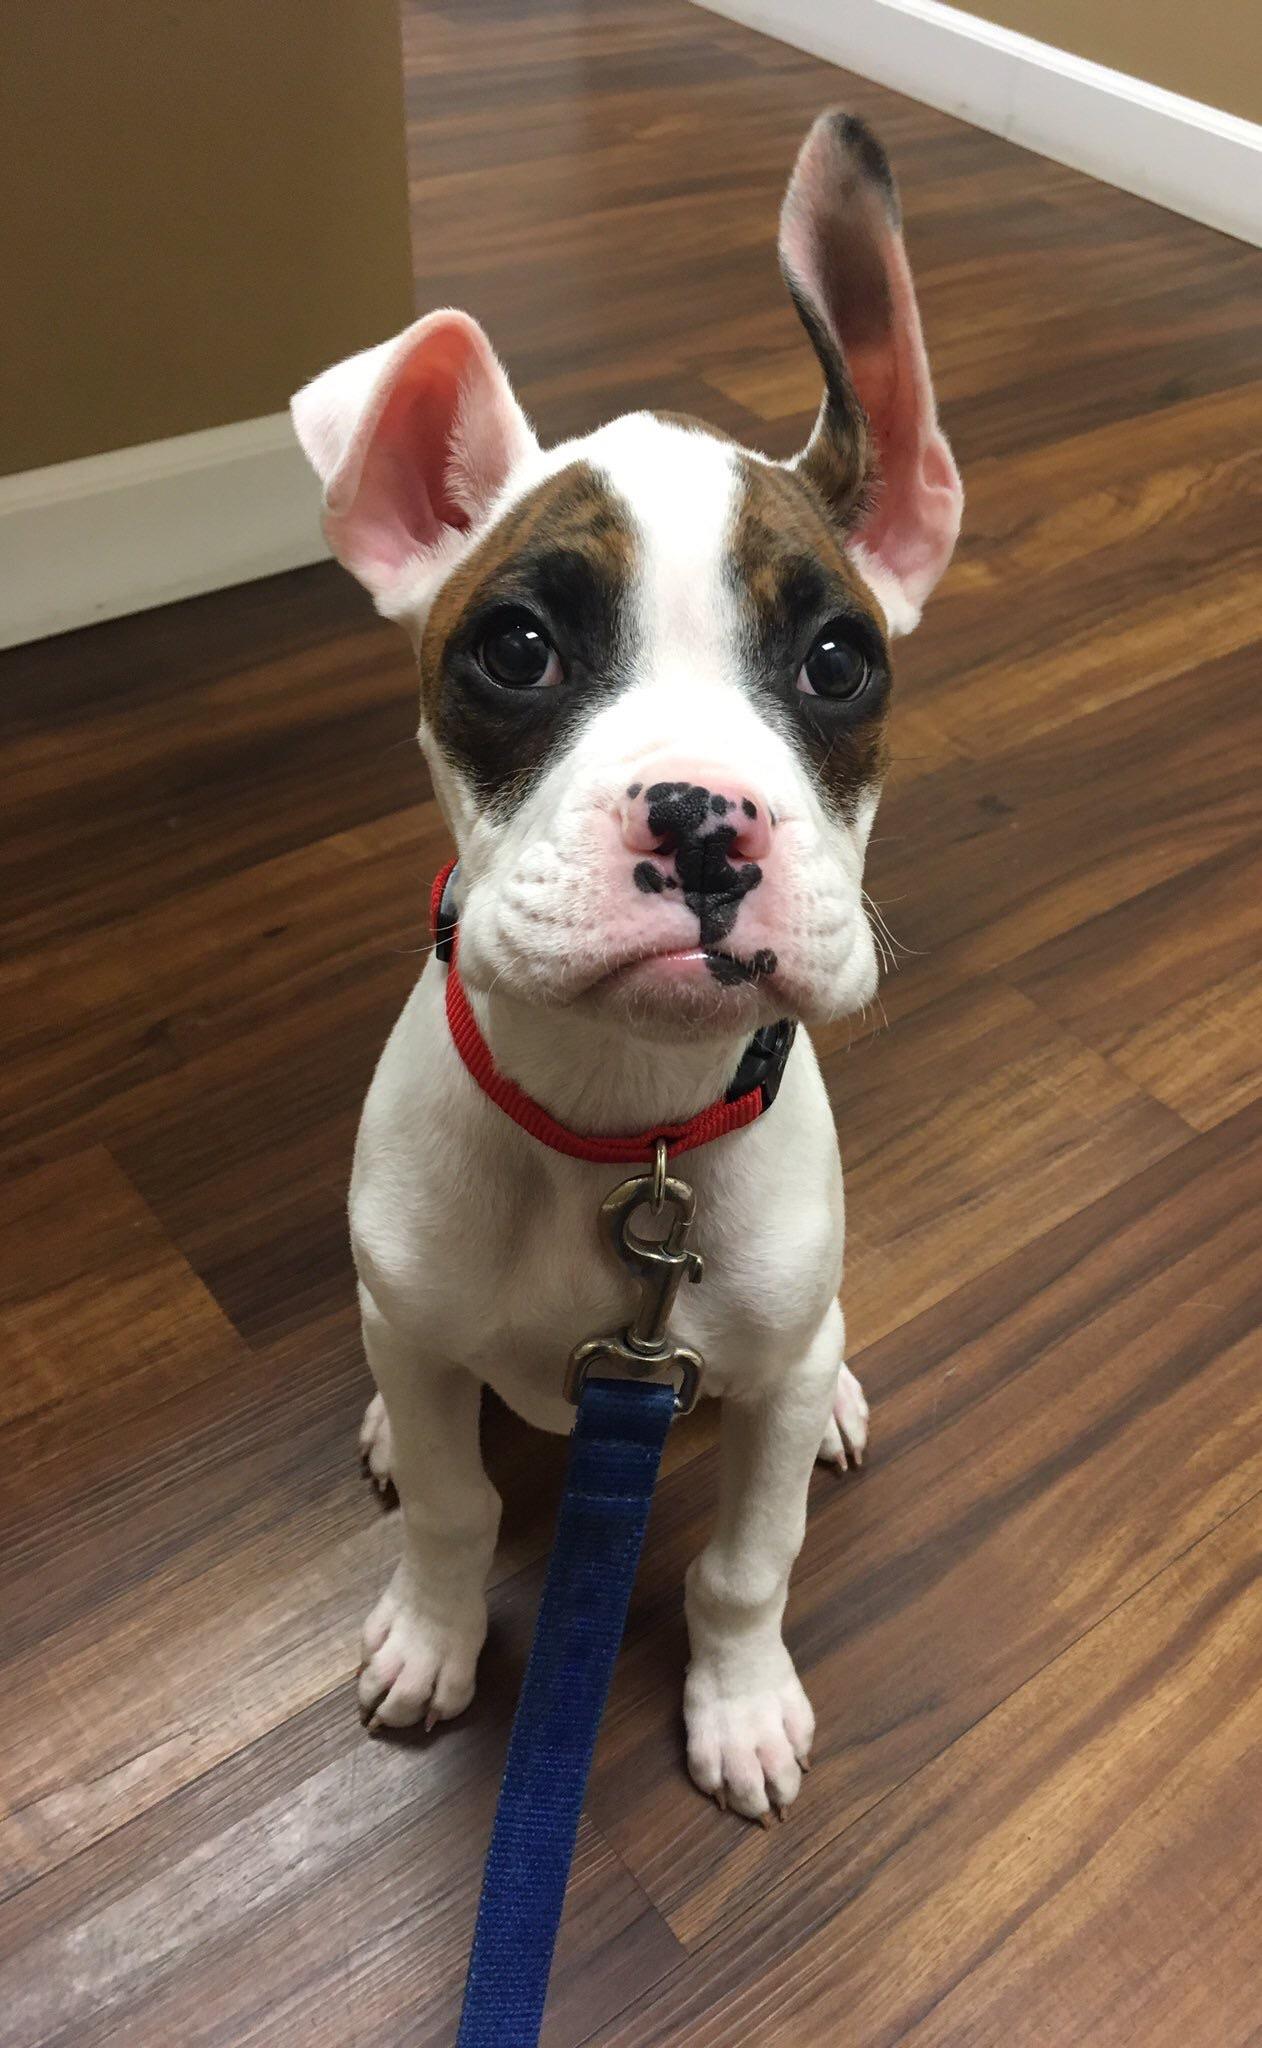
[(826, 957), (557, 904), (849, 970), (862, 974), (836, 983), (455, 796)]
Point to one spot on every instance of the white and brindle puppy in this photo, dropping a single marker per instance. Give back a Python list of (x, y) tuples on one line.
[(628, 644)]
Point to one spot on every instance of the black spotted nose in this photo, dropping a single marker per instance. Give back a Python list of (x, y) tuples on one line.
[(700, 835), (679, 806)]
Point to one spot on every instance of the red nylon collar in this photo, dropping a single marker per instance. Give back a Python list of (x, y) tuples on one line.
[(714, 1122)]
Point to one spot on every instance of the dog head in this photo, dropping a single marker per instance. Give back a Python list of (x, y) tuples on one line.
[(655, 666)]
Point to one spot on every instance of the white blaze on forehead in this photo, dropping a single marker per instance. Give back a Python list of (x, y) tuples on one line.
[(680, 486)]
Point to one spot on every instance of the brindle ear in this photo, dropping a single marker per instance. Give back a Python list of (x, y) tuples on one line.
[(877, 455)]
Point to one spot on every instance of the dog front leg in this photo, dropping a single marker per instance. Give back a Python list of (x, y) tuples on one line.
[(750, 1725), (422, 1639)]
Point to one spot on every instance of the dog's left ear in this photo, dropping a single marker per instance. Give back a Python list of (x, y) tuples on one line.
[(877, 455)]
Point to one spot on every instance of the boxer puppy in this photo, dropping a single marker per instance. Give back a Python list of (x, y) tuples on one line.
[(655, 681)]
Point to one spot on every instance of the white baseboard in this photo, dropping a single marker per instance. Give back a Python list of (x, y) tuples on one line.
[(116, 533), (1189, 157)]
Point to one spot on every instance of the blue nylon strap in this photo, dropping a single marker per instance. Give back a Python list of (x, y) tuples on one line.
[(615, 1453)]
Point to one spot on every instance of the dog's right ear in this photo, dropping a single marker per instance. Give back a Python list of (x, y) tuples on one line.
[(413, 441)]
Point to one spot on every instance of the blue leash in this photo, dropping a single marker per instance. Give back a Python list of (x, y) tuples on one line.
[(615, 1453)]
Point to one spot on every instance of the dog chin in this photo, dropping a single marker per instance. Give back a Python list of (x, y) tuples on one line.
[(686, 996)]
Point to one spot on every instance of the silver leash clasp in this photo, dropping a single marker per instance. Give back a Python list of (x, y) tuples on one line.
[(644, 1349)]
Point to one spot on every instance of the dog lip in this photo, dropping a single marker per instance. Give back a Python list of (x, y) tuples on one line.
[(650, 953), (746, 974)]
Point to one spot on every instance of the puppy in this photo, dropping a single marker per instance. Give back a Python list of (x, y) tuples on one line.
[(655, 681)]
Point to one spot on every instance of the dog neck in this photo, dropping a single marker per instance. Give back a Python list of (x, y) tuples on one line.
[(598, 1078)]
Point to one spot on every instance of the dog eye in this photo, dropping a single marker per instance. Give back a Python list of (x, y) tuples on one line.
[(516, 652), (836, 666)]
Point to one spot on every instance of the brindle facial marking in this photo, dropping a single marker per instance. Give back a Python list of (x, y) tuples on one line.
[(565, 552), (792, 576)]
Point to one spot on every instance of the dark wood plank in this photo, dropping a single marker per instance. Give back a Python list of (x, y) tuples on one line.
[(1054, 829), (1168, 985), (313, 1887), (94, 1301), (193, 741), (1045, 1440), (1031, 1627), (928, 1206), (1058, 1875)]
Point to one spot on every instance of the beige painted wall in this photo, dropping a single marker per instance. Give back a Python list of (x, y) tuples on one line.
[(201, 203), (1211, 51)]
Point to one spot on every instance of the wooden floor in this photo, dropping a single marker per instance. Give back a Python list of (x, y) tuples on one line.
[(1032, 1627)]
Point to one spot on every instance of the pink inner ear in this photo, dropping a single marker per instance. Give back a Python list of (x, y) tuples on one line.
[(391, 497), (913, 528)]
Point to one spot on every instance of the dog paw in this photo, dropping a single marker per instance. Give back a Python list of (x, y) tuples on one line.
[(749, 1749), (375, 1448), (414, 1668), (847, 1429)]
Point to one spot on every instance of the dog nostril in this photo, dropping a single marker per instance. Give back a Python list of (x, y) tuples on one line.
[(696, 822)]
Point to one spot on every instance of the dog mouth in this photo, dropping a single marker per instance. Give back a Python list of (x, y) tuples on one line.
[(697, 965), (730, 970)]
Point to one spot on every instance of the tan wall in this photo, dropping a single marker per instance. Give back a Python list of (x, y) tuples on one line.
[(1211, 51), (203, 201)]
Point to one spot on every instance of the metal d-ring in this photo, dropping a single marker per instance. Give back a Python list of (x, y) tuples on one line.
[(679, 1361), (659, 1176)]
